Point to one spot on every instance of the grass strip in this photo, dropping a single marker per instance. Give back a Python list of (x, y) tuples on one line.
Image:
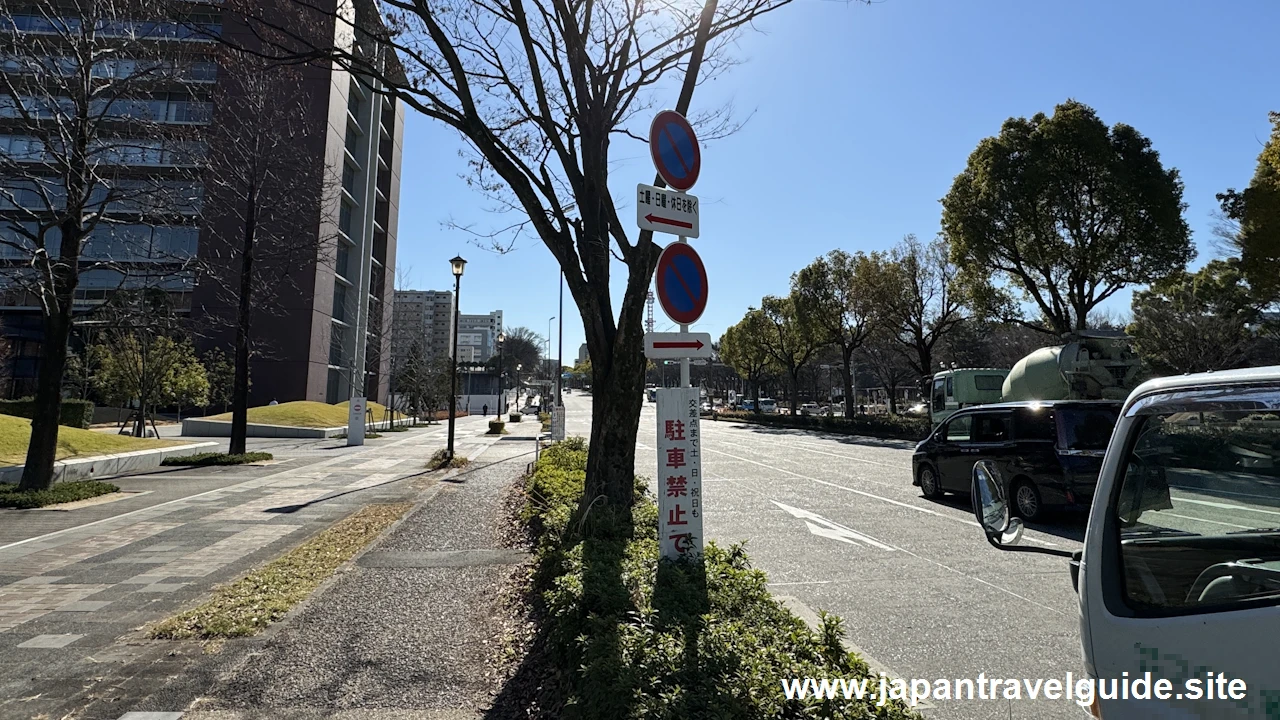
[(59, 493), (205, 459), (248, 605), (622, 634)]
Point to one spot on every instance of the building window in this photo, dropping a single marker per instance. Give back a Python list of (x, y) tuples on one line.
[(353, 140), (344, 219), (344, 258), (349, 179), (340, 302)]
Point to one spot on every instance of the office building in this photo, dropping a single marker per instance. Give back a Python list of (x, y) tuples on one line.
[(327, 338), (583, 354)]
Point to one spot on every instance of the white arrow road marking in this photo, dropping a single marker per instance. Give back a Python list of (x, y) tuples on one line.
[(823, 527)]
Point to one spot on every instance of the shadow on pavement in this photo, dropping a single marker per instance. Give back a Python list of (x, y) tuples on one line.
[(864, 440), (1065, 524)]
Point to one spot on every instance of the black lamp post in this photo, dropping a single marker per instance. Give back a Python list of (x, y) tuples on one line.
[(502, 406), (458, 264)]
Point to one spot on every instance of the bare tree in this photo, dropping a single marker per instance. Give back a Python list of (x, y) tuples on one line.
[(89, 147), (883, 354), (837, 296), (265, 197), (540, 90), (922, 299)]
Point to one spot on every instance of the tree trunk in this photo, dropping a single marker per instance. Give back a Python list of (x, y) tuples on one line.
[(893, 399), (795, 389), (617, 397), (37, 474), (240, 388), (847, 358), (756, 387)]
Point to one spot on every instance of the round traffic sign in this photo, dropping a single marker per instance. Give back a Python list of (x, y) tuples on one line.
[(682, 283), (674, 148)]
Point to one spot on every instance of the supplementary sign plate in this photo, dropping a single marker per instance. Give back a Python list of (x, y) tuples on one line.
[(665, 211), (675, 346), (679, 473)]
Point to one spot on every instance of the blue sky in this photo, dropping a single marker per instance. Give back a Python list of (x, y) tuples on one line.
[(861, 116)]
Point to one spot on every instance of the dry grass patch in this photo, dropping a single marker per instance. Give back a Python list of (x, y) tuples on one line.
[(248, 605)]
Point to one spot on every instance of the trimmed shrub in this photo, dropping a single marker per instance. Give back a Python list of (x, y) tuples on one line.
[(216, 458), (12, 497), (625, 635), (75, 413)]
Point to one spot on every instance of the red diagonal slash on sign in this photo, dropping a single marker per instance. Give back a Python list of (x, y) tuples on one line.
[(667, 221), (696, 344)]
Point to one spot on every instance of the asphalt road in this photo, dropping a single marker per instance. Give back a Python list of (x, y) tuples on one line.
[(921, 592)]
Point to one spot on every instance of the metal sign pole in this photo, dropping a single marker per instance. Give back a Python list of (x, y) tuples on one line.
[(684, 328)]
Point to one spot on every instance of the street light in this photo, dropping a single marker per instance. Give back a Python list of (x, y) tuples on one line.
[(458, 264), (502, 406), (548, 363)]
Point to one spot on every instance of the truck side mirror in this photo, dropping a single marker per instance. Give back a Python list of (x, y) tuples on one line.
[(992, 510), (991, 507)]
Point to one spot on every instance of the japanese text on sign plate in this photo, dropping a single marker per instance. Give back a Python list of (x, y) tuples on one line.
[(681, 485), (673, 201)]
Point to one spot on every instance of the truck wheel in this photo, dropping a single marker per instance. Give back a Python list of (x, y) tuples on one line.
[(1026, 501), (929, 485)]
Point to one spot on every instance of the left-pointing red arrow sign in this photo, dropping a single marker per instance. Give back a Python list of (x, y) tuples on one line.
[(667, 221)]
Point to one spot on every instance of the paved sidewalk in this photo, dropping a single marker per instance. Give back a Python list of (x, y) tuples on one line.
[(77, 586), (409, 631)]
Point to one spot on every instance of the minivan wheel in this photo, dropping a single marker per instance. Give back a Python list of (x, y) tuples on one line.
[(929, 485), (1026, 499)]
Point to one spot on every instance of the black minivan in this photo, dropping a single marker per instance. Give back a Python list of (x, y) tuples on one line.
[(1050, 452)]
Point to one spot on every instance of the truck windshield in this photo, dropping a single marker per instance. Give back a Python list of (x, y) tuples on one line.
[(1192, 475), (1086, 428)]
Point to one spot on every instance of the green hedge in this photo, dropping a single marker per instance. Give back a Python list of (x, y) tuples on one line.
[(206, 459), (75, 413), (901, 427), (12, 497), (622, 635)]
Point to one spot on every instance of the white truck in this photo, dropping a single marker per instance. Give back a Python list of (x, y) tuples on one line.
[(1179, 575)]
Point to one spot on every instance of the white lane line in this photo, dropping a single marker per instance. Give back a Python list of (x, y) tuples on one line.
[(881, 498), (1196, 519), (1224, 506)]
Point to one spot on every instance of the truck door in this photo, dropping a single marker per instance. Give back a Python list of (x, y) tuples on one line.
[(1181, 572)]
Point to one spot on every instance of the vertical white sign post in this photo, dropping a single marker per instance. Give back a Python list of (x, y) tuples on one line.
[(679, 473), (355, 421), (557, 423)]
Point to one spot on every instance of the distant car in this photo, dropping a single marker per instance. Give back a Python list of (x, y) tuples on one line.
[(1049, 452), (809, 409), (530, 410), (768, 405), (567, 391), (705, 407)]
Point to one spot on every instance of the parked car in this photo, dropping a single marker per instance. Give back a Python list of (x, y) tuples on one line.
[(768, 405), (809, 408), (1049, 452)]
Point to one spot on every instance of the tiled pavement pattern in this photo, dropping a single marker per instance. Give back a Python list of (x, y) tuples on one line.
[(72, 602)]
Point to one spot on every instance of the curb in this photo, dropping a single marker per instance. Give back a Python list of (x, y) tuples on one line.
[(103, 466)]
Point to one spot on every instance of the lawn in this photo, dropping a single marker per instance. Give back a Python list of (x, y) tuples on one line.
[(15, 433), (304, 413)]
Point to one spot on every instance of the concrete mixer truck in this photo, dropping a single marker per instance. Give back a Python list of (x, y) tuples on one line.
[(1090, 365)]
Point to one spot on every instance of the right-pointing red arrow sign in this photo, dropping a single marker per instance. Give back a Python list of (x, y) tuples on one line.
[(667, 221), (695, 345)]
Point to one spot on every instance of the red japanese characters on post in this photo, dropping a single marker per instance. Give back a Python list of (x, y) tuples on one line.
[(679, 473)]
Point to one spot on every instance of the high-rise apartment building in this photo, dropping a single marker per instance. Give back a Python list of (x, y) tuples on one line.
[(328, 337), (478, 337), (424, 317)]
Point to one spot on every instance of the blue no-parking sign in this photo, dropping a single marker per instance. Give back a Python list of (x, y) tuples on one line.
[(674, 148)]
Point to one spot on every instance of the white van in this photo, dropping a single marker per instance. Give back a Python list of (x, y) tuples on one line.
[(768, 405), (1180, 571)]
